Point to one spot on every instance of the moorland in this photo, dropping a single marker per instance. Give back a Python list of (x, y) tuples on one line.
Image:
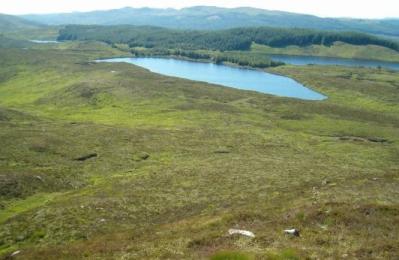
[(111, 161)]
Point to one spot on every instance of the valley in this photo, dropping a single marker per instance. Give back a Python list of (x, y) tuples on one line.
[(108, 160)]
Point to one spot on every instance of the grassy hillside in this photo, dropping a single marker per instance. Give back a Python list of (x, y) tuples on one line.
[(16, 28), (10, 23), (338, 49), (111, 161), (215, 18), (6, 42)]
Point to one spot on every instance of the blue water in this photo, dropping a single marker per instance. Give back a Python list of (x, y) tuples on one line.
[(226, 76), (305, 60), (44, 41)]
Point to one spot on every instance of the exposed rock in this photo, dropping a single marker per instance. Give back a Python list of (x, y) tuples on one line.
[(141, 156), (144, 156), (324, 227), (292, 232), (325, 182), (377, 139), (39, 178), (15, 253), (241, 232), (86, 157)]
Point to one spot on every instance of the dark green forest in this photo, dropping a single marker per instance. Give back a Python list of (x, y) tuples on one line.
[(223, 40), (256, 60)]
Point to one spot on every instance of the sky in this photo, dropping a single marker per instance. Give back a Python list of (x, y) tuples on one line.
[(323, 8)]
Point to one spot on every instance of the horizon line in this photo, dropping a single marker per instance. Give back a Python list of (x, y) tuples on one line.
[(196, 6)]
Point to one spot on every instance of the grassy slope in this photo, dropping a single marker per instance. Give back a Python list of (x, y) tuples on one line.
[(21, 29), (12, 23), (219, 158), (48, 33), (6, 42), (339, 49)]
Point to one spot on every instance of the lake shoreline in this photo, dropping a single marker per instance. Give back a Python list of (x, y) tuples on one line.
[(299, 60), (250, 79)]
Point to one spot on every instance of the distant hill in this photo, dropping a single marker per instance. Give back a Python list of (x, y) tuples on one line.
[(10, 23), (212, 18)]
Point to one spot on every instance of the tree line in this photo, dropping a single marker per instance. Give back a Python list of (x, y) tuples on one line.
[(255, 60), (223, 40)]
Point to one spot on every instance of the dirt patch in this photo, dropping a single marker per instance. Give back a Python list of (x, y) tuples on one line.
[(86, 157), (222, 150), (141, 156), (363, 139)]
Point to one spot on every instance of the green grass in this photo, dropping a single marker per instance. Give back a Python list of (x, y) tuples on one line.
[(40, 33), (20, 206), (338, 49), (215, 158)]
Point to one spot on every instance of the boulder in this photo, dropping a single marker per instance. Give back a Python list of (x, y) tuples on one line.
[(241, 232), (292, 232), (141, 156), (15, 253)]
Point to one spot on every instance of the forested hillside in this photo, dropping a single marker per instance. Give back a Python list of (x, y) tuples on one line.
[(215, 18), (232, 39)]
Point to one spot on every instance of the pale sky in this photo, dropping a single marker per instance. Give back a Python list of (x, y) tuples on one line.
[(323, 8)]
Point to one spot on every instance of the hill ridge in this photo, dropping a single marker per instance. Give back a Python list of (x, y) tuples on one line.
[(197, 17)]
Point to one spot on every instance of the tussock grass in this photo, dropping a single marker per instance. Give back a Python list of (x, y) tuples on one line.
[(179, 162)]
